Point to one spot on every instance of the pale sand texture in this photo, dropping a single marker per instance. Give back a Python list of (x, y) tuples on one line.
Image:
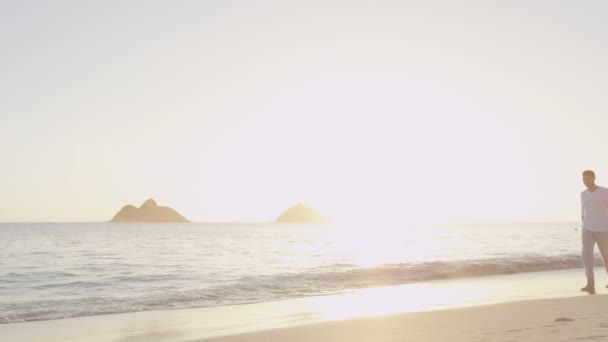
[(566, 319)]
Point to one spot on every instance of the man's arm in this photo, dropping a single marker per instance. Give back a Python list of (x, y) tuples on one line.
[(582, 209)]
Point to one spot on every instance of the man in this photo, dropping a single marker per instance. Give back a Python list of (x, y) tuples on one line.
[(594, 213)]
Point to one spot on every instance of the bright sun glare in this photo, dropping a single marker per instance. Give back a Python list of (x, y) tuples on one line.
[(374, 244)]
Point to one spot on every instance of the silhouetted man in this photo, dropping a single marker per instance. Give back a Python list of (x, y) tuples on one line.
[(594, 213)]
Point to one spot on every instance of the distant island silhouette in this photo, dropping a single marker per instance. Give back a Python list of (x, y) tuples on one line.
[(149, 211), (301, 213)]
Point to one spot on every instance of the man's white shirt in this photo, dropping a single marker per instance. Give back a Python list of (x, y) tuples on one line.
[(594, 209)]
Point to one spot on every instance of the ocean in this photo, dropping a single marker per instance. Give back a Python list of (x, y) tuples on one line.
[(61, 270)]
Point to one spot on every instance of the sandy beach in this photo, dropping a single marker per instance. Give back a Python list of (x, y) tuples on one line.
[(565, 319)]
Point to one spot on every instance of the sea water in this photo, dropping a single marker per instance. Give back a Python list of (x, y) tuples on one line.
[(60, 270)]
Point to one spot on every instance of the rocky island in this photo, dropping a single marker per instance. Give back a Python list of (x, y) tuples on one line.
[(149, 211), (301, 213)]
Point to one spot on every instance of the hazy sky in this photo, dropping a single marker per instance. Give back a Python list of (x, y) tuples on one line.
[(234, 110)]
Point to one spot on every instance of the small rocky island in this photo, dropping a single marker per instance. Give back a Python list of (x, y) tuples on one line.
[(301, 213), (149, 211)]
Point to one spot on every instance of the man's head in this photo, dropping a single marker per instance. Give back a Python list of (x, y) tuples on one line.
[(589, 178)]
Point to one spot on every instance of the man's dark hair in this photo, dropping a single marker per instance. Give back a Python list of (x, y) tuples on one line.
[(589, 173)]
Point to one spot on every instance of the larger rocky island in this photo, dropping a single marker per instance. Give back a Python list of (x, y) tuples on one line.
[(301, 213), (149, 211)]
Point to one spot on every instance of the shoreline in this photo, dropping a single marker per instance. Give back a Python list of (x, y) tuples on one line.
[(558, 319), (213, 322)]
